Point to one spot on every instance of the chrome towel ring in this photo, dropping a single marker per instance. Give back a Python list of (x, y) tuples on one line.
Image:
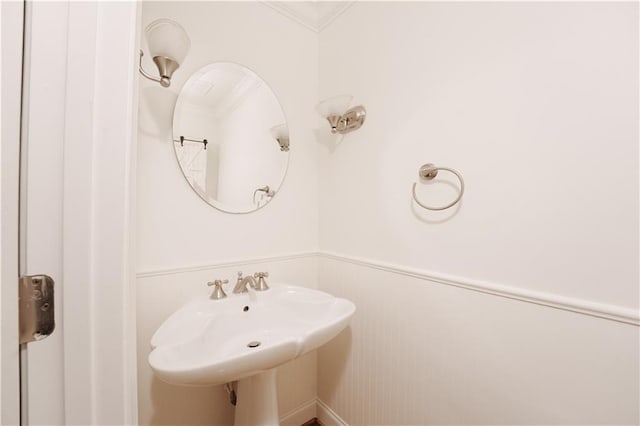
[(429, 171)]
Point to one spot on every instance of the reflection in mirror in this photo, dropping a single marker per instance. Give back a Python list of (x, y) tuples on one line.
[(231, 137)]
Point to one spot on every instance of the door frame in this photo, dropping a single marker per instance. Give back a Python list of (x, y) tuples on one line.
[(98, 248), (99, 213), (12, 44)]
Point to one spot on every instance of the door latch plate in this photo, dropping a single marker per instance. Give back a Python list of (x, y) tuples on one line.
[(36, 307)]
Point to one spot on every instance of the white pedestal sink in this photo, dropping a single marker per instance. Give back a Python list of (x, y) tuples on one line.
[(244, 337)]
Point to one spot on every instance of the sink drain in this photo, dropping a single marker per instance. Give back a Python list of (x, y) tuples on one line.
[(253, 344)]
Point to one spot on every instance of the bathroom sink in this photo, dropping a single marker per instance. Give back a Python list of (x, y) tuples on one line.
[(209, 342)]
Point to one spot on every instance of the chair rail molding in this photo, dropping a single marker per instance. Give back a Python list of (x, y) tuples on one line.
[(225, 263), (570, 304)]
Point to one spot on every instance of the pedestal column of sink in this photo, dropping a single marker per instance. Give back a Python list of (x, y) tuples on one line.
[(257, 400)]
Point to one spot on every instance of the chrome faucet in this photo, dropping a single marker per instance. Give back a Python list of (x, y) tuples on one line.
[(259, 285)]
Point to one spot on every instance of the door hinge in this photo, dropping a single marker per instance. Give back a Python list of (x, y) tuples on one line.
[(36, 307)]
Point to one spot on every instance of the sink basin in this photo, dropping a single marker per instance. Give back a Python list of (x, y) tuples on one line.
[(209, 342)]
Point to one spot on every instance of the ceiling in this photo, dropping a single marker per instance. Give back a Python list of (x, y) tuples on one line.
[(315, 15)]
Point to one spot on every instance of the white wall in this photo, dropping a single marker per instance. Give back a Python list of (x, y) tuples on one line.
[(528, 101), (536, 104), (176, 229)]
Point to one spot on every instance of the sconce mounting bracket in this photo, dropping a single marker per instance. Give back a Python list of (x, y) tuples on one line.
[(352, 120)]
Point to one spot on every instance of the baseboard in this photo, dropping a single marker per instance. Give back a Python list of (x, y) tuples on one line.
[(327, 416), (310, 409), (300, 414)]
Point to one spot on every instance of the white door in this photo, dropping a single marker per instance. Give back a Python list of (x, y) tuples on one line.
[(41, 129), (41, 180), (76, 162)]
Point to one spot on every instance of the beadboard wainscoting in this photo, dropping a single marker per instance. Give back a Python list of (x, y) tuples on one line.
[(519, 305), (413, 350), (419, 352)]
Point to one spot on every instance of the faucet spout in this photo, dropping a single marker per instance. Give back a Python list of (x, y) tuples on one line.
[(241, 283)]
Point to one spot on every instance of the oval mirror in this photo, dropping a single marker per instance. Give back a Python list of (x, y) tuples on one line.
[(231, 138)]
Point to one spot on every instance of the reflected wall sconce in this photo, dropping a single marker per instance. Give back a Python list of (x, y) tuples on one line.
[(270, 193), (281, 134), (341, 119), (168, 46)]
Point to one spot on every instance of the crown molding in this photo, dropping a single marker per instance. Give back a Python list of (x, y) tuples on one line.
[(314, 15), (329, 11)]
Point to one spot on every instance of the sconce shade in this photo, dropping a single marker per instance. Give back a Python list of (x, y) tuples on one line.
[(336, 105), (279, 131), (281, 134), (168, 39)]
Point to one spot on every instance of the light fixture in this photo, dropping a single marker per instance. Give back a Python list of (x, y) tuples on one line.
[(168, 46), (341, 119), (281, 134), (270, 193)]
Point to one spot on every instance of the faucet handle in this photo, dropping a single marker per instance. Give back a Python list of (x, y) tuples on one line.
[(217, 282), (261, 285), (218, 292)]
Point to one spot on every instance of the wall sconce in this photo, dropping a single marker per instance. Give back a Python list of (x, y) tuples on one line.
[(281, 134), (270, 193), (168, 46), (341, 119)]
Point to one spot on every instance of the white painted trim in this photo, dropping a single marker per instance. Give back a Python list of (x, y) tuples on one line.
[(309, 15), (571, 304), (310, 409), (327, 416), (113, 172), (300, 415), (130, 335), (293, 14), (11, 87), (99, 160), (225, 263), (325, 19), (77, 245)]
